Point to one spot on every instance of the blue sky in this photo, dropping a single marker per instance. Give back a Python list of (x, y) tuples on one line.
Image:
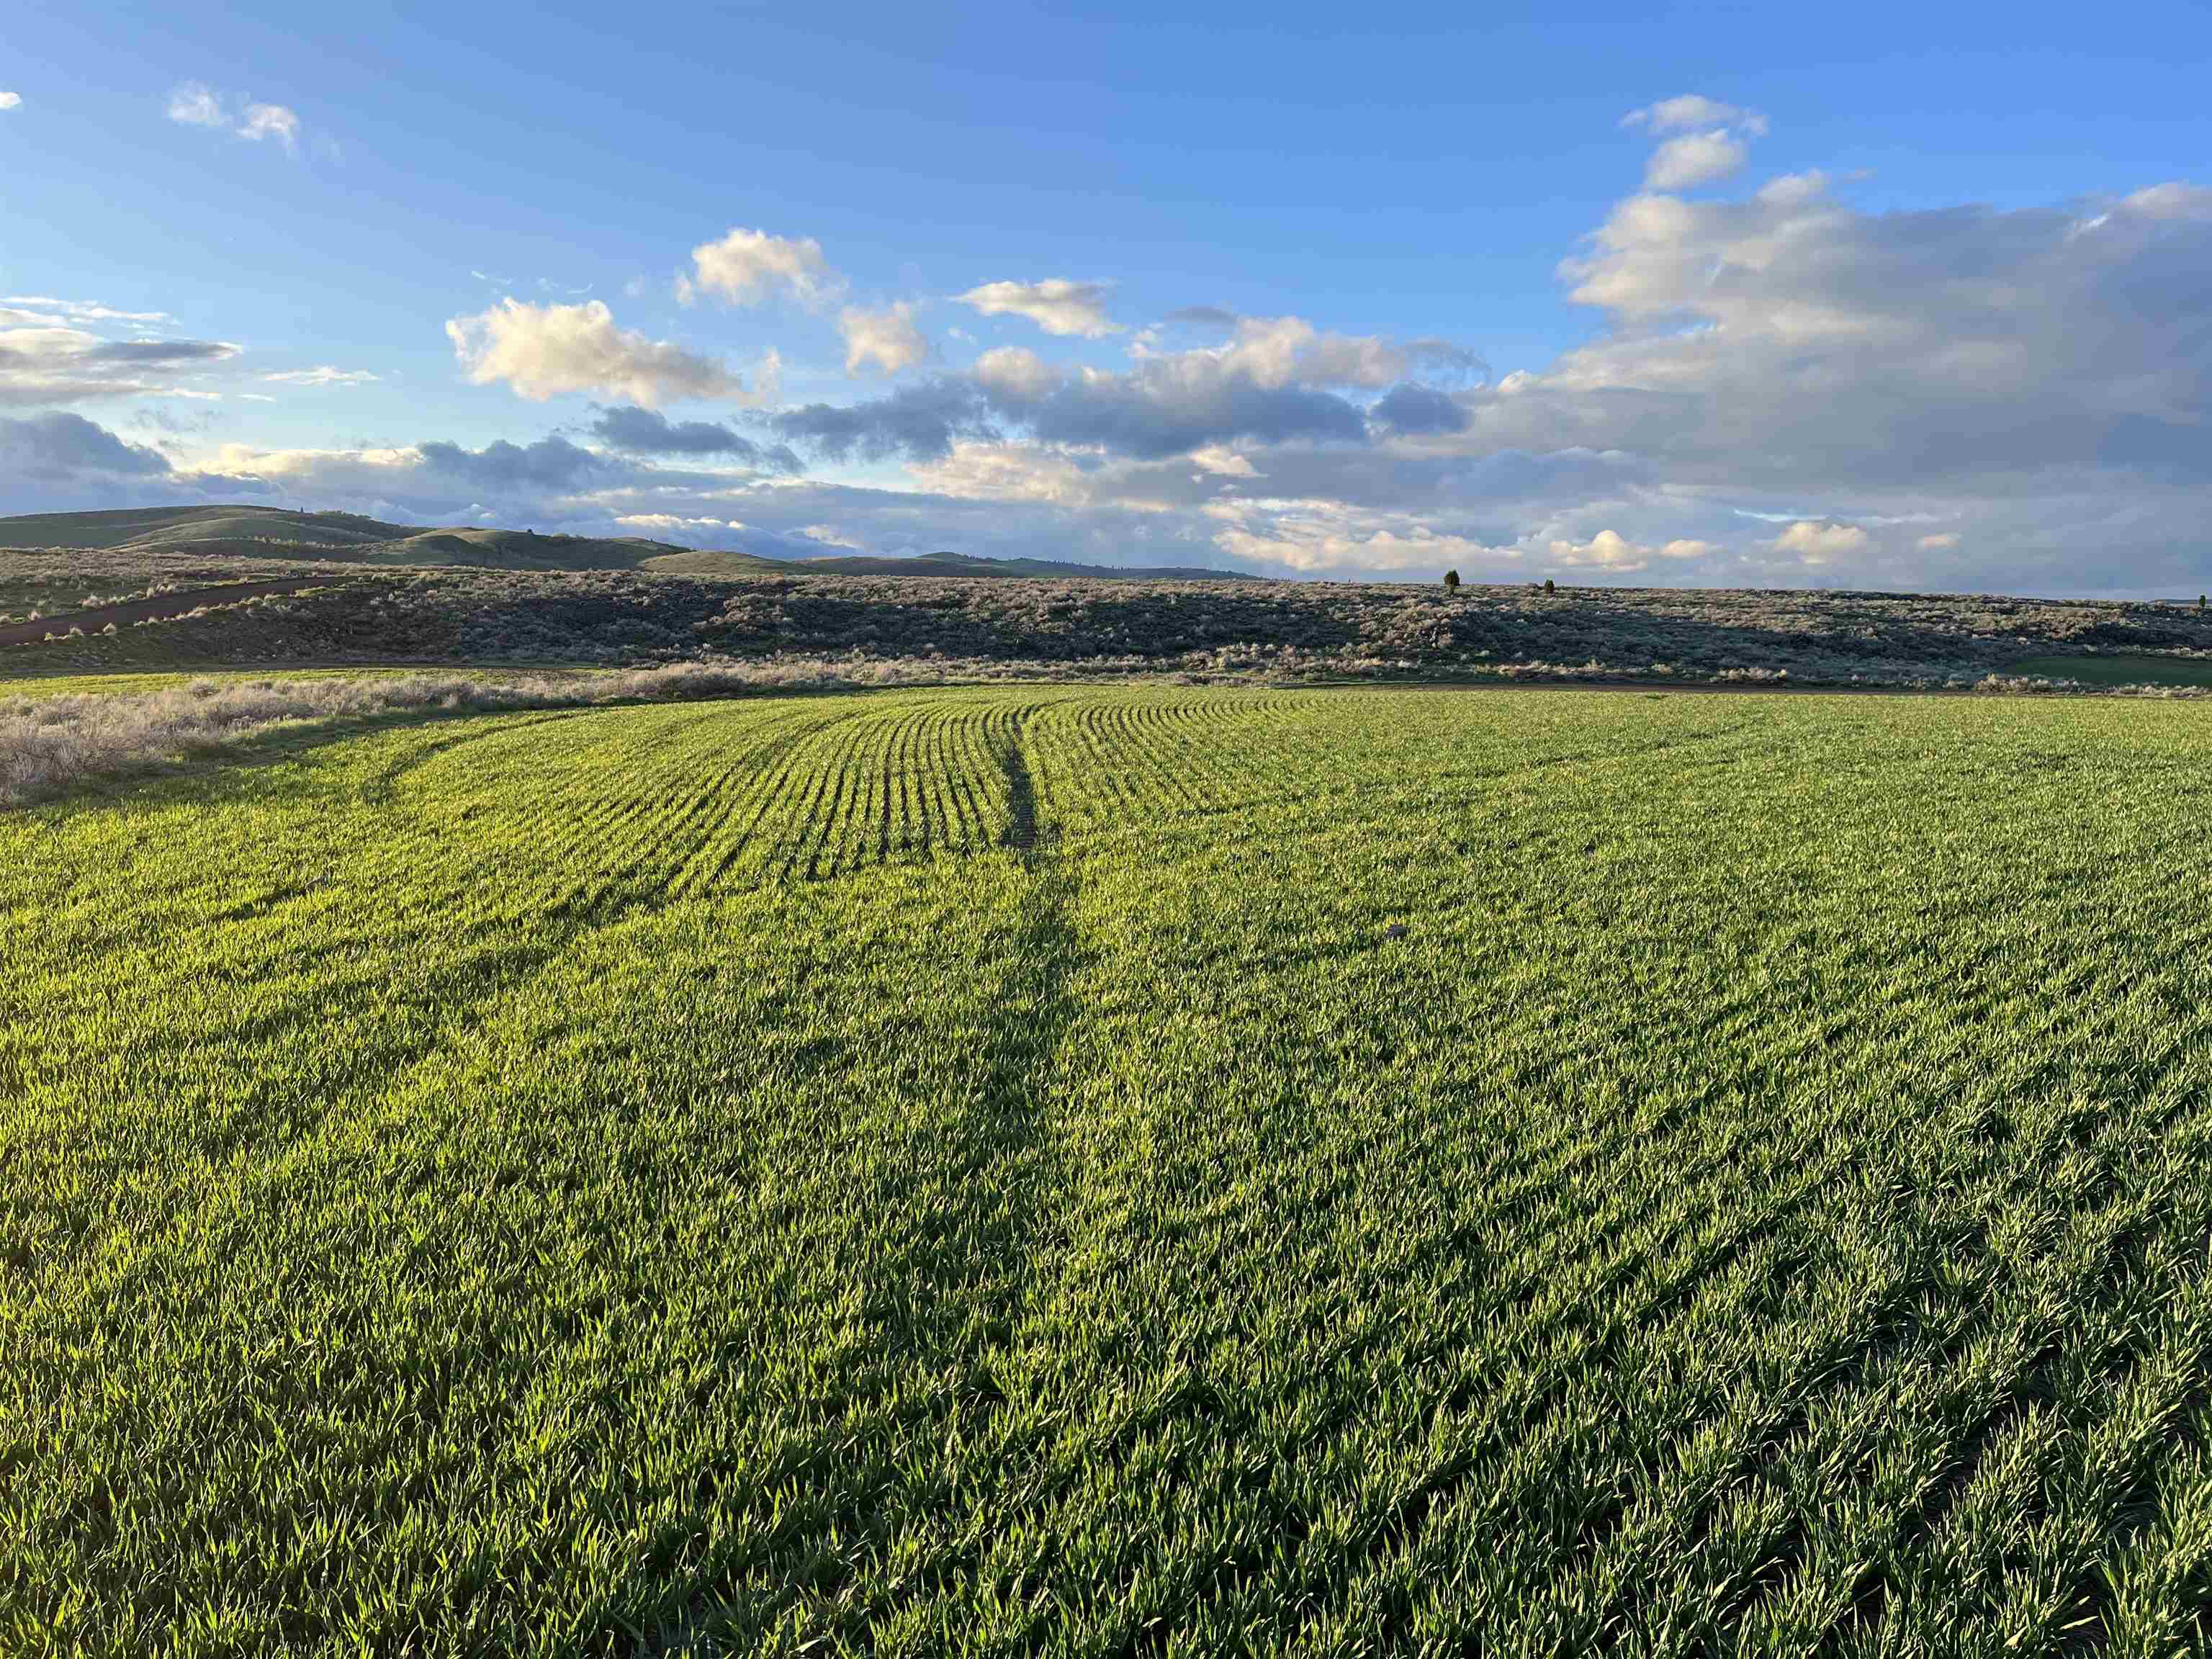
[(1907, 298)]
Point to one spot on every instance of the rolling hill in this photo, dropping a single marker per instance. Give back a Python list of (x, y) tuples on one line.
[(180, 527), (283, 533)]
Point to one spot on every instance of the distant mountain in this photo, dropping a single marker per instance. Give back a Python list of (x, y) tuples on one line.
[(965, 564), (282, 533)]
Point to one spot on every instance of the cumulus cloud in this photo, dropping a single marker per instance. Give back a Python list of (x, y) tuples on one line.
[(1055, 305), (10, 101), (919, 422), (1327, 538), (548, 481), (1609, 550), (1414, 410), (543, 351), (886, 339), (1222, 462), (1693, 159), (1943, 541), (1817, 544), (1174, 407), (1016, 375), (56, 447), (1273, 382), (505, 469), (986, 470), (58, 462), (749, 267), (645, 432), (1791, 344), (1282, 351), (1166, 406)]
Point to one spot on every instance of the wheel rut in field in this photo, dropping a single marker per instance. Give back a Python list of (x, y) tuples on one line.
[(1021, 791), (973, 1191)]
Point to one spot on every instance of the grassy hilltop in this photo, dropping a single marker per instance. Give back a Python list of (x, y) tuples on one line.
[(1076, 1170)]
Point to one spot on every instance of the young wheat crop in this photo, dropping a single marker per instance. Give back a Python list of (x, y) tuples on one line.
[(1077, 1170)]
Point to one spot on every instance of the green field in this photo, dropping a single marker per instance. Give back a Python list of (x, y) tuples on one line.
[(1133, 1171), (2116, 669)]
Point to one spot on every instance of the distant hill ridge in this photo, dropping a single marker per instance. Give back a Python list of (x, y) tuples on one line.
[(282, 533)]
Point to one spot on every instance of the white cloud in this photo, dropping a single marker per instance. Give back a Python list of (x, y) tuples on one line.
[(887, 339), (1006, 472), (323, 374), (1325, 538), (1793, 189), (1691, 110), (768, 377), (83, 311), (748, 267), (543, 351), (1814, 542), (1609, 550), (1016, 373), (1222, 462), (196, 105), (676, 522), (270, 121), (1056, 305), (1941, 541), (2176, 201), (10, 100), (1281, 351), (48, 362), (1693, 159)]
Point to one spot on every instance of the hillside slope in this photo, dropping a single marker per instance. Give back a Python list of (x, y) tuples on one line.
[(149, 527), (277, 532)]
